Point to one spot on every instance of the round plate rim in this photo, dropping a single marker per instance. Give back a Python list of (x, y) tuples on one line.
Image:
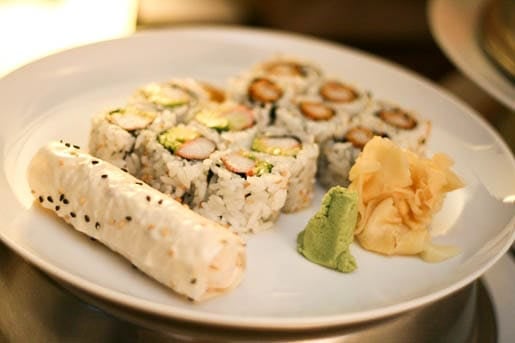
[(265, 323)]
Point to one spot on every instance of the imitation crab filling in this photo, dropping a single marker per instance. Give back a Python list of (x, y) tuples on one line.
[(264, 91), (186, 142), (131, 118), (246, 164), (277, 145), (316, 110), (287, 69), (236, 118), (397, 118), (168, 96), (335, 91)]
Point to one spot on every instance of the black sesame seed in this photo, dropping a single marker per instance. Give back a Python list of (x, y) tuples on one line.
[(65, 201), (128, 218), (125, 170), (148, 198), (104, 176), (41, 199), (160, 202), (61, 197), (191, 299), (76, 147), (67, 145), (73, 214), (139, 183), (93, 239), (94, 162), (193, 281), (97, 225), (57, 208), (61, 141), (49, 198), (86, 218)]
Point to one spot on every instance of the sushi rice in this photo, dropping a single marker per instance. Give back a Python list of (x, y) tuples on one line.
[(301, 164), (183, 179), (246, 204)]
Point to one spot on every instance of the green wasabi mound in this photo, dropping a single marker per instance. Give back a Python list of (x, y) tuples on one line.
[(327, 237)]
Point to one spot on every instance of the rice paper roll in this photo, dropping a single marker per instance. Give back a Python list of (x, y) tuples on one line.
[(192, 255), (246, 192), (299, 155), (176, 162)]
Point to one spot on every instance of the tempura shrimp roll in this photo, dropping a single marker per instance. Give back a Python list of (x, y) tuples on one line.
[(192, 255)]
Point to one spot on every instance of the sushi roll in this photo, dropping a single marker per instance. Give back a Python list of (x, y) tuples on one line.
[(113, 134), (295, 73), (341, 96), (176, 162), (191, 255), (246, 192), (273, 83), (299, 156), (403, 127), (229, 124), (339, 153), (308, 115), (182, 97)]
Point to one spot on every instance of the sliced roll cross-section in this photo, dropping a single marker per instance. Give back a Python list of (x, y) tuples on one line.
[(246, 191)]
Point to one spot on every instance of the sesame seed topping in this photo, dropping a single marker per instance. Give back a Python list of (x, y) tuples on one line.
[(76, 147), (104, 176), (148, 198), (65, 201), (191, 299), (67, 145), (61, 141), (139, 183), (94, 162), (49, 198), (61, 197), (128, 218), (160, 202), (57, 208), (73, 215), (97, 225), (41, 199), (86, 218), (193, 281), (125, 170)]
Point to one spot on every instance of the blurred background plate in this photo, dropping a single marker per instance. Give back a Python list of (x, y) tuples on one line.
[(466, 30)]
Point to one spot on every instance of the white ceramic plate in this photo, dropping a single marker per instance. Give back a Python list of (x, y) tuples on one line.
[(55, 98), (455, 25)]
